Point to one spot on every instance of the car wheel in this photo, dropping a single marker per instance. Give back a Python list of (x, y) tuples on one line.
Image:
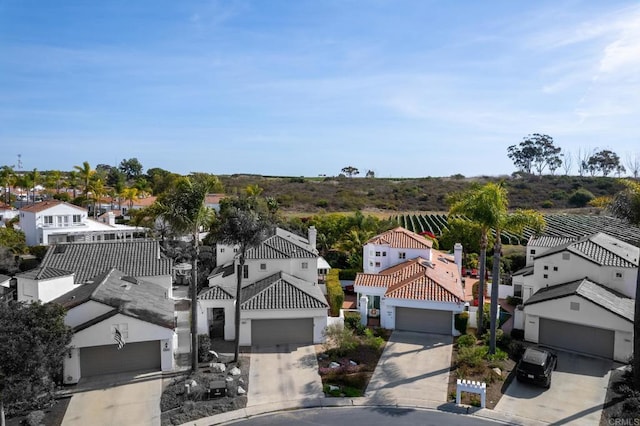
[(548, 384)]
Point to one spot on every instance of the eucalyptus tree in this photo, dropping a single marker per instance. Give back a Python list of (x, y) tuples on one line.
[(184, 209), (243, 222)]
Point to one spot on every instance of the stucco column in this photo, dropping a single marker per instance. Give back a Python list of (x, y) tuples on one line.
[(364, 303)]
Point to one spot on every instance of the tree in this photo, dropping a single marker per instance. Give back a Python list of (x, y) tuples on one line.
[(34, 341), (14, 240), (243, 222), (72, 182), (98, 190), (632, 161), (184, 209), (350, 171), (131, 168), (582, 159), (370, 174), (604, 161), (536, 151), (84, 175), (626, 205), (7, 180), (462, 231), (567, 162), (487, 206)]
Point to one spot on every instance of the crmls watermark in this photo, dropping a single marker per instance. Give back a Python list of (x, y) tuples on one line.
[(623, 422)]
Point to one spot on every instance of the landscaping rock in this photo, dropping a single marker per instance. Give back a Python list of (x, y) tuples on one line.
[(333, 388), (334, 365), (323, 356), (241, 380), (235, 371), (241, 390), (229, 379), (351, 362), (497, 371), (218, 367)]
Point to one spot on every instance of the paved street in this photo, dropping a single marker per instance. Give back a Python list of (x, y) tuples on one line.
[(413, 365)]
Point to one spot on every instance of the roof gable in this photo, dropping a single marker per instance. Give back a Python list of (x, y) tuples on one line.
[(44, 273), (215, 293), (46, 205), (135, 258), (282, 291), (601, 249), (401, 238), (279, 247)]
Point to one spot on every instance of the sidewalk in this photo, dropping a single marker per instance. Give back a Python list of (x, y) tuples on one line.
[(183, 327)]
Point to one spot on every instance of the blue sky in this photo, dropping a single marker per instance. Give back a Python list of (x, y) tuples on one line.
[(306, 87)]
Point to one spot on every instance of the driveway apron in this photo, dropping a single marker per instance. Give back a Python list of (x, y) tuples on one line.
[(119, 399), (414, 366), (283, 373), (577, 393)]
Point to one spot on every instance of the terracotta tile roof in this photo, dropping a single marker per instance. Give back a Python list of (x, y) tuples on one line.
[(419, 279), (127, 295), (401, 238), (215, 293), (214, 198), (143, 202), (282, 291), (601, 249), (4, 206), (134, 258), (45, 205)]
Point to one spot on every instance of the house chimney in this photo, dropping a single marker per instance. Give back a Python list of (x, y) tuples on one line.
[(111, 218), (313, 235), (457, 256)]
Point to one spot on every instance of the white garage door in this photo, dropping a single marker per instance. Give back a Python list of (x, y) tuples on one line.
[(579, 338), (95, 360), (282, 331), (423, 320)]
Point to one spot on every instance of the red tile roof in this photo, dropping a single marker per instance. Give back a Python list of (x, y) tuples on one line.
[(143, 202), (401, 238), (419, 279), (214, 198), (45, 205)]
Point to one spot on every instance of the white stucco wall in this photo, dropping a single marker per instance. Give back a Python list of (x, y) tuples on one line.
[(44, 290), (319, 321), (33, 223), (28, 226), (84, 312), (101, 334), (229, 316), (289, 266), (391, 259), (164, 281), (589, 314)]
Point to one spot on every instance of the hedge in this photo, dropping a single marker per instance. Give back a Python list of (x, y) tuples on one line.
[(335, 293)]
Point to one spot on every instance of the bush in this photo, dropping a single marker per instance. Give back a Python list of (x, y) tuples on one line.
[(342, 338), (547, 204), (472, 357), (580, 198), (467, 340), (461, 320), (322, 204), (335, 292), (35, 418), (486, 337), (516, 350), (352, 321), (500, 355), (486, 317), (204, 346), (514, 301), (348, 274), (517, 334)]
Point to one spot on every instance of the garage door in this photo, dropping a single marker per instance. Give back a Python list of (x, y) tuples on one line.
[(574, 337), (423, 320), (108, 359), (280, 331)]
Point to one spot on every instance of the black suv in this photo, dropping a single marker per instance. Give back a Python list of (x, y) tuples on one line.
[(536, 366)]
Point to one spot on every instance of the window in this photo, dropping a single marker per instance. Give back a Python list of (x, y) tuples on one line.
[(246, 272), (377, 254), (48, 220), (235, 249), (384, 254), (575, 306), (222, 250), (517, 290), (619, 275), (76, 218), (305, 265), (263, 266), (546, 267), (370, 263), (555, 268), (402, 255), (533, 251), (566, 256), (546, 276), (377, 264)]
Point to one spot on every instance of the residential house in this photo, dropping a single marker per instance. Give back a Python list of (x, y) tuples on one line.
[(579, 295), (407, 285), (6, 213), (67, 266), (115, 303), (53, 222), (281, 301)]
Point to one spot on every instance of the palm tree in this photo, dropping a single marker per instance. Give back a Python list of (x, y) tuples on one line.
[(7, 179), (243, 223), (34, 177), (84, 174), (98, 190), (626, 205), (488, 207), (130, 194), (185, 211)]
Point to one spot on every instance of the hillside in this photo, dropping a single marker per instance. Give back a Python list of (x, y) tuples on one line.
[(334, 194)]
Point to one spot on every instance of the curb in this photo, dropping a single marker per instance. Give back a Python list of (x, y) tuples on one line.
[(330, 402)]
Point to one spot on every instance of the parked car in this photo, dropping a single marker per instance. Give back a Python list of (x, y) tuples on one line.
[(536, 366)]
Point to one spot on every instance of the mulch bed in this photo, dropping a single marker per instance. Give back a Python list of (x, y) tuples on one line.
[(495, 386), (613, 410), (52, 416)]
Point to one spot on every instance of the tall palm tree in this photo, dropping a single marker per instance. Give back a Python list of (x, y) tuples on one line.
[(184, 209), (84, 174), (34, 177), (7, 179), (98, 190), (245, 223), (488, 206), (72, 182)]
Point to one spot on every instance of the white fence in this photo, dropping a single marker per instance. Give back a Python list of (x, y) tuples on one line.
[(504, 291), (518, 319), (473, 315), (471, 386)]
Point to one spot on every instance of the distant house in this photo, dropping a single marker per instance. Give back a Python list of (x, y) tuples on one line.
[(110, 303), (213, 201), (407, 285), (53, 222), (67, 266), (7, 213), (282, 301), (579, 294)]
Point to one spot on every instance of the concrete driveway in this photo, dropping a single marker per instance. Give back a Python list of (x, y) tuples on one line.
[(577, 393), (119, 399), (413, 366), (283, 373)]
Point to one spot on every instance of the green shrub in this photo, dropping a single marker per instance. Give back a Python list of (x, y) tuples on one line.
[(204, 346), (514, 301), (335, 292), (500, 355), (581, 197), (340, 339), (38, 251), (461, 320), (516, 350), (547, 204), (352, 321), (486, 318), (472, 357), (322, 204), (348, 274), (466, 340), (35, 418)]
